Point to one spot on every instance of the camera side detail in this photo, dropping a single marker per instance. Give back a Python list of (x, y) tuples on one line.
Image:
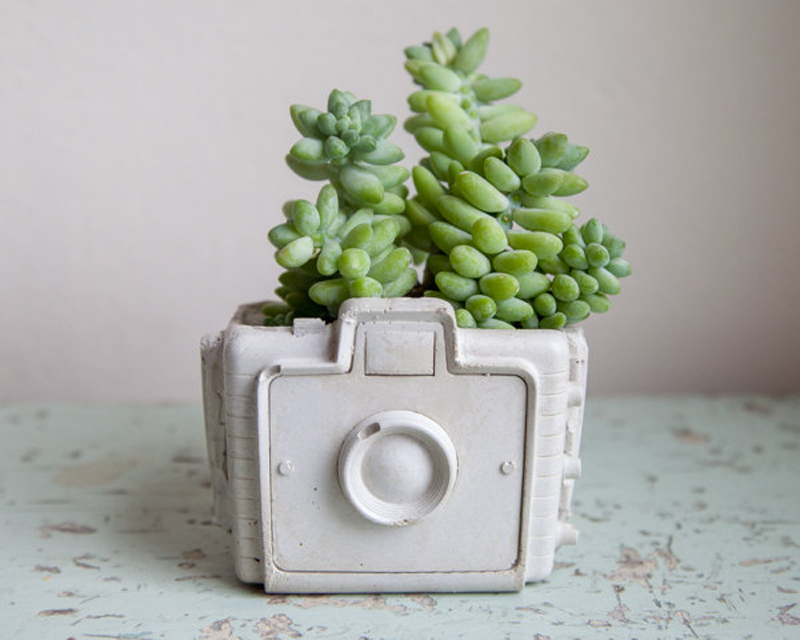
[(391, 451)]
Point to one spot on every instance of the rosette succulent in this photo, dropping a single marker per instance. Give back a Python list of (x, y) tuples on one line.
[(488, 223)]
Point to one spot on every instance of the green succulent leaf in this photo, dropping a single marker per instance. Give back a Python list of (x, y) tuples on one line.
[(508, 126), (362, 184), (492, 89), (473, 52)]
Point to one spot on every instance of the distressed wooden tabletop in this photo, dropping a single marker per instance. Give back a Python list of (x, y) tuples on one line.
[(688, 510)]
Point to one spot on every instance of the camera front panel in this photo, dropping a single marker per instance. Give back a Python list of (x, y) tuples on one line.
[(475, 526)]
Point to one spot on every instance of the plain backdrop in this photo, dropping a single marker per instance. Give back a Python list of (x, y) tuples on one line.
[(141, 166)]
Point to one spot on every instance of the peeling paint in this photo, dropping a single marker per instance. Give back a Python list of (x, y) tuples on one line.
[(670, 559), (758, 561), (724, 599), (187, 578), (82, 564), (144, 635), (42, 569), (426, 602), (785, 618), (57, 612), (276, 626), (371, 602), (686, 620), (633, 567), (65, 527), (618, 613), (218, 630), (599, 624)]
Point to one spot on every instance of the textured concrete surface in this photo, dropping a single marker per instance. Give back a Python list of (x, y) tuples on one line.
[(688, 511)]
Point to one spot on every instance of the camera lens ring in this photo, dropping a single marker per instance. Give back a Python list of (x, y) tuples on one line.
[(397, 467)]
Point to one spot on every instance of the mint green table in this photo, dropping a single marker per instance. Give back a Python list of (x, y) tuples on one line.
[(689, 512)]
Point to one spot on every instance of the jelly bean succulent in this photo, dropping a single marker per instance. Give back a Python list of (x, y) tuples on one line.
[(344, 244), (488, 226)]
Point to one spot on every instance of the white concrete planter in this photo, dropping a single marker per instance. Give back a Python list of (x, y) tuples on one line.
[(392, 451)]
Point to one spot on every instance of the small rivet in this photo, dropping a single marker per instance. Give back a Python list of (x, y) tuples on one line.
[(507, 468), (286, 467)]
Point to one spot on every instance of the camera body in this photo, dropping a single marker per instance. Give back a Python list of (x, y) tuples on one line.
[(391, 451)]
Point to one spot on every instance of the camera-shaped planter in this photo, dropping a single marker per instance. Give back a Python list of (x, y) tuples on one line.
[(391, 451)]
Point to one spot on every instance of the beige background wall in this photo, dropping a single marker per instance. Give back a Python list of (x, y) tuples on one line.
[(141, 166)]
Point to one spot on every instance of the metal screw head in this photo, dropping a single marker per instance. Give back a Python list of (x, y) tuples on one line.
[(507, 468), (285, 467)]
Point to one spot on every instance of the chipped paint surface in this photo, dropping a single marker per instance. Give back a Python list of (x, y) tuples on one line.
[(688, 511)]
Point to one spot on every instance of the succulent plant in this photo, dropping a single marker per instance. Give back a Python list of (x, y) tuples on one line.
[(487, 221), (503, 246), (343, 245)]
